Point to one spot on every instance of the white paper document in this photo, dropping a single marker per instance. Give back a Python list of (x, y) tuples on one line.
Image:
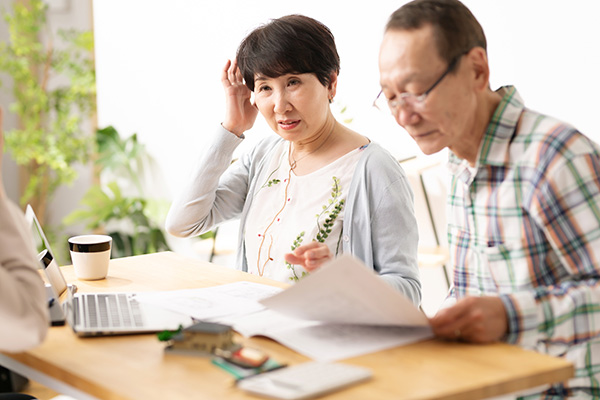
[(323, 341), (345, 291), (342, 310), (239, 298)]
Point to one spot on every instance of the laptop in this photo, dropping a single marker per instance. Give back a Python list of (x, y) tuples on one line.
[(42, 246), (97, 314)]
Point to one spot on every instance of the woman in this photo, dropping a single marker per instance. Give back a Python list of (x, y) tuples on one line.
[(316, 188)]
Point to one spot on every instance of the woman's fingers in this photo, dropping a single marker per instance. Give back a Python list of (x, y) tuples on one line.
[(231, 73), (310, 256), (238, 74), (225, 75), (294, 259)]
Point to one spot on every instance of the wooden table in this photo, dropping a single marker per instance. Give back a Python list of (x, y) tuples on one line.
[(135, 367)]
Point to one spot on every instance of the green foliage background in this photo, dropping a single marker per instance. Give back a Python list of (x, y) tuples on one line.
[(54, 90), (126, 218)]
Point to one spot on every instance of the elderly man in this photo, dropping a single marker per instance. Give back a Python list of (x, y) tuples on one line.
[(524, 198)]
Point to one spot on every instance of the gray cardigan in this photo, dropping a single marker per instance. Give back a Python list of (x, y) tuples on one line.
[(379, 224)]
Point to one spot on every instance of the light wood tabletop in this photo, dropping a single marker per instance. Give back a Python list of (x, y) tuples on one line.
[(136, 366)]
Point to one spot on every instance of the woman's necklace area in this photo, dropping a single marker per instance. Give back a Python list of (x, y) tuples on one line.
[(294, 162), (268, 258)]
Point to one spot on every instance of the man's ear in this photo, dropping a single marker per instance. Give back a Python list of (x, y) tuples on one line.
[(480, 68)]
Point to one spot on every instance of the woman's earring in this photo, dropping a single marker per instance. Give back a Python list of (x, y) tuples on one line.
[(330, 100)]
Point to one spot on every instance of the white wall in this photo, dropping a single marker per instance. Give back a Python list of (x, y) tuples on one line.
[(159, 62), (549, 50), (159, 66)]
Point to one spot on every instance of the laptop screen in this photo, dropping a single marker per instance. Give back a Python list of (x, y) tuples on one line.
[(45, 254)]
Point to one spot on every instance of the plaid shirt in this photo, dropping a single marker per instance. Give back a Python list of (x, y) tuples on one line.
[(524, 224)]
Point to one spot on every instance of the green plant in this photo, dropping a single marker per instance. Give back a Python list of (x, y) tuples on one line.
[(126, 218), (54, 89), (333, 208)]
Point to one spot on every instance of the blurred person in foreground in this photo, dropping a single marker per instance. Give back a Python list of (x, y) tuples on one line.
[(23, 303)]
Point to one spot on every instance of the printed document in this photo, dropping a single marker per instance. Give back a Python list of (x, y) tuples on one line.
[(324, 341), (345, 291), (342, 310), (238, 298)]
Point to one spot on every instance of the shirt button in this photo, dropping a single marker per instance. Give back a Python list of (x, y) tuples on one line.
[(346, 238)]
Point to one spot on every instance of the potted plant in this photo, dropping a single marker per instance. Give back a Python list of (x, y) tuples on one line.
[(118, 205)]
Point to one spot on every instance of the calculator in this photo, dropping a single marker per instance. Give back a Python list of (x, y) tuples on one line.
[(304, 381)]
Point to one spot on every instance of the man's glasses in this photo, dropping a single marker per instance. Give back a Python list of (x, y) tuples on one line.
[(416, 102)]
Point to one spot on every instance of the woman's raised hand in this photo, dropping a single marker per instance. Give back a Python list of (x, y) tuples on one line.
[(240, 113)]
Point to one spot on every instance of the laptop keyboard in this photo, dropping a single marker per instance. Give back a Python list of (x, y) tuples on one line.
[(111, 310)]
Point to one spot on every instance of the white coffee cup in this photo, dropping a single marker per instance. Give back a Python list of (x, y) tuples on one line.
[(90, 255)]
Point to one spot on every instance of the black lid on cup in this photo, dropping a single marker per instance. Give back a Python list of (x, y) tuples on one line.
[(96, 247)]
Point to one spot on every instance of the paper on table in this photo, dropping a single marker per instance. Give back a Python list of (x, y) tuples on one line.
[(239, 298), (346, 292), (265, 323), (330, 315), (333, 342), (323, 341)]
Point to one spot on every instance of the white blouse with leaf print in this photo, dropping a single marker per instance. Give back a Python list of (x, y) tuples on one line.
[(289, 211)]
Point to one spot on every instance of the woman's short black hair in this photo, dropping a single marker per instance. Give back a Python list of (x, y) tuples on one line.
[(294, 44)]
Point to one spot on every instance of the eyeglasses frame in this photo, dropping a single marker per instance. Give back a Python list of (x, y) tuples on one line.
[(419, 99)]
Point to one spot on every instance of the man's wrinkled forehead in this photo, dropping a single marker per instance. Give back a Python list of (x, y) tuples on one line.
[(405, 53)]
